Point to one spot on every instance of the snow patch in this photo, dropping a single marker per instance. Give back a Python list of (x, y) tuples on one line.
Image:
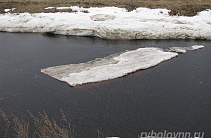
[(8, 10), (49, 8)]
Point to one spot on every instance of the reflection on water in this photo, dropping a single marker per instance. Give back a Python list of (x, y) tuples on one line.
[(173, 96)]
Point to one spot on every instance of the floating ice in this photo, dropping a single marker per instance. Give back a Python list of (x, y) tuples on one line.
[(111, 67), (194, 47), (112, 23), (183, 49)]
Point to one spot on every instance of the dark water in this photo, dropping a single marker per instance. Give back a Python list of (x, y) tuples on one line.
[(173, 96)]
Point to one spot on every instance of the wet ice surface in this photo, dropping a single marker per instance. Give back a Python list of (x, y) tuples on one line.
[(184, 49), (113, 66), (112, 23)]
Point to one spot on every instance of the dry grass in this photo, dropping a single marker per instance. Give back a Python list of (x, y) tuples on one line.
[(7, 124), (184, 7), (45, 127), (50, 129), (21, 128)]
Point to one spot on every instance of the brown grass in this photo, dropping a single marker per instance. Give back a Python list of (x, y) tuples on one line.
[(21, 128), (7, 124), (45, 127), (184, 7)]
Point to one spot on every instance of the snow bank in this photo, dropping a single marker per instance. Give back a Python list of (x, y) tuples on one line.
[(111, 67), (112, 23)]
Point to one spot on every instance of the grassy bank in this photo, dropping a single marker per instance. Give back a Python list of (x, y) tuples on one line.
[(184, 7), (45, 127)]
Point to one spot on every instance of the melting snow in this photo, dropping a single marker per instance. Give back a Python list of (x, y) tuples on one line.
[(111, 67), (112, 23), (8, 10)]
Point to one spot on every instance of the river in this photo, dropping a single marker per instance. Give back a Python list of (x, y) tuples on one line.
[(174, 95)]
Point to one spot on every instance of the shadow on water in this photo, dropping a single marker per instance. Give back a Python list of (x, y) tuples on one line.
[(50, 35), (173, 96)]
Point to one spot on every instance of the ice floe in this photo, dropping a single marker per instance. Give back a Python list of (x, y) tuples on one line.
[(177, 49), (112, 23), (111, 67), (184, 49)]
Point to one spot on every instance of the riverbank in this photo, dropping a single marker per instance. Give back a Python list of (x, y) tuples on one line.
[(111, 23), (181, 7)]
